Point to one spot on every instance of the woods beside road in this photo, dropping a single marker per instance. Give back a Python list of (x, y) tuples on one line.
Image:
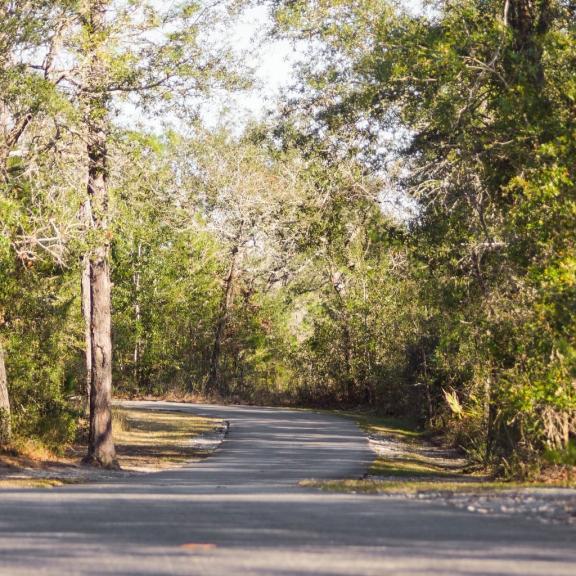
[(397, 235)]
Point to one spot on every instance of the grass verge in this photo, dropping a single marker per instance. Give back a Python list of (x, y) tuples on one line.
[(378, 486), (407, 462), (146, 441)]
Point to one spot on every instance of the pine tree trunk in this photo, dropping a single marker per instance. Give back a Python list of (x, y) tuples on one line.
[(5, 415), (101, 449), (86, 314)]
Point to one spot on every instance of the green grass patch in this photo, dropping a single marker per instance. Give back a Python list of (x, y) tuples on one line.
[(374, 486), (384, 425)]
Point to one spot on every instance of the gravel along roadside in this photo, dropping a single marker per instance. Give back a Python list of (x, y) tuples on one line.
[(408, 465), (437, 474), (547, 505)]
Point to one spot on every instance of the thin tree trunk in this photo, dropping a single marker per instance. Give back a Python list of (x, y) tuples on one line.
[(213, 381), (342, 316), (101, 449), (426, 382), (5, 414), (137, 317), (350, 382)]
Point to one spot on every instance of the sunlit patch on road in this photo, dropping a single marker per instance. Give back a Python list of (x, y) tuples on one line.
[(198, 546)]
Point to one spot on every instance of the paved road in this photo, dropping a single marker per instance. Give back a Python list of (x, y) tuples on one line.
[(241, 513)]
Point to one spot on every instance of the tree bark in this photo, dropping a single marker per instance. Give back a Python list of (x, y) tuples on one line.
[(5, 414), (213, 383), (350, 384), (101, 449), (529, 19), (137, 317), (86, 314)]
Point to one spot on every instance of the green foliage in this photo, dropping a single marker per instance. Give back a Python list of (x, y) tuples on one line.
[(165, 269), (267, 266), (566, 456), (44, 332), (484, 110), (153, 53)]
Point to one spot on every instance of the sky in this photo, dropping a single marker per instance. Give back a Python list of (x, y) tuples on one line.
[(273, 62)]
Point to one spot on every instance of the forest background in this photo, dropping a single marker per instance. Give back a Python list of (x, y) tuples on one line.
[(397, 232)]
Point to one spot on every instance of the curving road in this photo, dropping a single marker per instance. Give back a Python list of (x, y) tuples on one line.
[(240, 512)]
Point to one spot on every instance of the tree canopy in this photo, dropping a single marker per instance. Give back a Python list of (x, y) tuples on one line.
[(399, 234)]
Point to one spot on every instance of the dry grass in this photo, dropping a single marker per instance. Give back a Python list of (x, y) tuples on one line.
[(149, 440), (7, 483), (410, 467), (26, 453), (375, 486), (146, 441)]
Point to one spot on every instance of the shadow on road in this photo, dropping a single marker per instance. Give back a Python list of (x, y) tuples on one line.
[(241, 512)]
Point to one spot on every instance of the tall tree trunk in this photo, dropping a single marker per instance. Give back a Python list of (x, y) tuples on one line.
[(86, 314), (349, 380), (5, 414), (137, 317), (214, 381), (101, 449), (529, 19)]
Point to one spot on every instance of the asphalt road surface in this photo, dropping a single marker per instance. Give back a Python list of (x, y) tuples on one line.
[(241, 512)]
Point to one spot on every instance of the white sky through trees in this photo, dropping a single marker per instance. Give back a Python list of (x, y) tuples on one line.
[(271, 60), (273, 63)]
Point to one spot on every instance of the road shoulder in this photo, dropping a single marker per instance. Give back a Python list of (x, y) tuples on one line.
[(146, 441)]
